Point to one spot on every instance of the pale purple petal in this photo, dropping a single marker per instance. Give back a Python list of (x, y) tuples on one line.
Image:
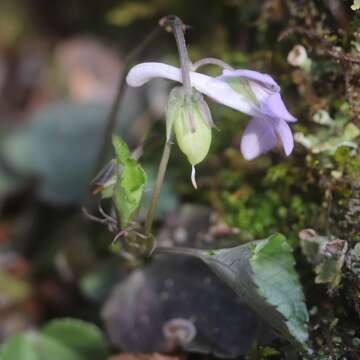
[(142, 73), (275, 107), (259, 137), (215, 88), (261, 85), (263, 79), (266, 90), (284, 133)]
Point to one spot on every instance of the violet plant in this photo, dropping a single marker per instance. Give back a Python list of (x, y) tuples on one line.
[(250, 92), (261, 272)]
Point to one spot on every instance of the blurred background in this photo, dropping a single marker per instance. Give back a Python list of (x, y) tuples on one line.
[(60, 67)]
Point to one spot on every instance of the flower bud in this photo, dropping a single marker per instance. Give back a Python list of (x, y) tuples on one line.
[(190, 119)]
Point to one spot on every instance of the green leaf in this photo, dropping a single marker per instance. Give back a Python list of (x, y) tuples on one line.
[(82, 337), (121, 149), (262, 273), (130, 183), (277, 281), (64, 339), (34, 346)]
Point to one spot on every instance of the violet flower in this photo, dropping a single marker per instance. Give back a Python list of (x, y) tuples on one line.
[(250, 92), (269, 127)]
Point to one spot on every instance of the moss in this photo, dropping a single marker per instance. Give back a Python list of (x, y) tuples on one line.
[(259, 209)]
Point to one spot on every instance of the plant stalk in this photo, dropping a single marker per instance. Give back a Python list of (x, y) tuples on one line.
[(211, 61), (157, 187), (177, 27)]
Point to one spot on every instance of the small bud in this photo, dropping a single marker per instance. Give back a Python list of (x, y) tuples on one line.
[(190, 119)]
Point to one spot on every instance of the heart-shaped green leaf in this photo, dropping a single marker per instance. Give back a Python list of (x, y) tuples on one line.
[(262, 273)]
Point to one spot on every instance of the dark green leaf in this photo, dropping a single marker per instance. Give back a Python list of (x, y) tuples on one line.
[(262, 273), (273, 266)]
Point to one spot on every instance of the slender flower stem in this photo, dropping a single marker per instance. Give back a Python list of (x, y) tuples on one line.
[(211, 61), (157, 188), (178, 27)]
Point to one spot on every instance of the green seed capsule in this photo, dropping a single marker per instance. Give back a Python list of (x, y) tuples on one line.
[(189, 119)]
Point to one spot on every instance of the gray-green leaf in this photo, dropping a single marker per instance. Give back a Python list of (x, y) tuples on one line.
[(326, 255)]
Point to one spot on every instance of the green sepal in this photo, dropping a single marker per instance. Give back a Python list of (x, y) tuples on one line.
[(130, 182), (189, 118)]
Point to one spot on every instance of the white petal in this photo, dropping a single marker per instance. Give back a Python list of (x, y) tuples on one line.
[(215, 88), (142, 73)]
